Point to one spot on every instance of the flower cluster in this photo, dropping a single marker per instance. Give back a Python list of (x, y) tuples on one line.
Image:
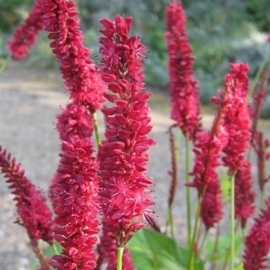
[(237, 123), (79, 72), (183, 87), (75, 197), (230, 133), (74, 120), (237, 118), (244, 195), (208, 149), (258, 241), (74, 190), (123, 157), (24, 38), (31, 205)]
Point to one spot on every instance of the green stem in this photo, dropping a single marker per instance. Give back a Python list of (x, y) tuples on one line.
[(170, 220), (120, 251), (232, 222), (188, 190), (214, 255), (191, 245), (262, 199), (202, 243), (94, 117)]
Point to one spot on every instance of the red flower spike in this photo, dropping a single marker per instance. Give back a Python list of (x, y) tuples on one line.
[(208, 150), (183, 87), (244, 195), (74, 194), (258, 241), (79, 72), (31, 205), (74, 120), (124, 196), (25, 36), (237, 117), (74, 191)]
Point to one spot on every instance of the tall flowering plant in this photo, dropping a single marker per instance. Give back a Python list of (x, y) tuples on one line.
[(184, 93), (124, 186), (101, 196)]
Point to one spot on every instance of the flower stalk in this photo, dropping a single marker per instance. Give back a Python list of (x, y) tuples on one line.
[(120, 252)]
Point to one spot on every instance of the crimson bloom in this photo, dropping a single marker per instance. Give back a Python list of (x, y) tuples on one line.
[(74, 191), (208, 148), (124, 193), (237, 123), (183, 87), (79, 72), (25, 36), (258, 241), (74, 195), (31, 205), (74, 120), (34, 214), (225, 136), (237, 118), (244, 194)]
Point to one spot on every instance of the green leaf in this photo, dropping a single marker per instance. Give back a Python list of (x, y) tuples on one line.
[(53, 250), (154, 251)]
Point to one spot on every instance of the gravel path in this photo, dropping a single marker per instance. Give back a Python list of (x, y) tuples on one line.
[(29, 101)]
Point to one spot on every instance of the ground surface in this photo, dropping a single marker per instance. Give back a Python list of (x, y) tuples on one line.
[(29, 101)]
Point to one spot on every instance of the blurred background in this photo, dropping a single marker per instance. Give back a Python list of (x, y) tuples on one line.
[(220, 31)]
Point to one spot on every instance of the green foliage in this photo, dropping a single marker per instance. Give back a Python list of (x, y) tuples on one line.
[(11, 13), (258, 12), (154, 251), (220, 35)]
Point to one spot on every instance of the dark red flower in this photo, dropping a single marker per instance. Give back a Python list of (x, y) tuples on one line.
[(209, 146), (244, 195), (237, 117), (34, 214), (183, 87), (258, 241), (25, 36), (74, 194), (79, 71), (123, 154), (74, 120)]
